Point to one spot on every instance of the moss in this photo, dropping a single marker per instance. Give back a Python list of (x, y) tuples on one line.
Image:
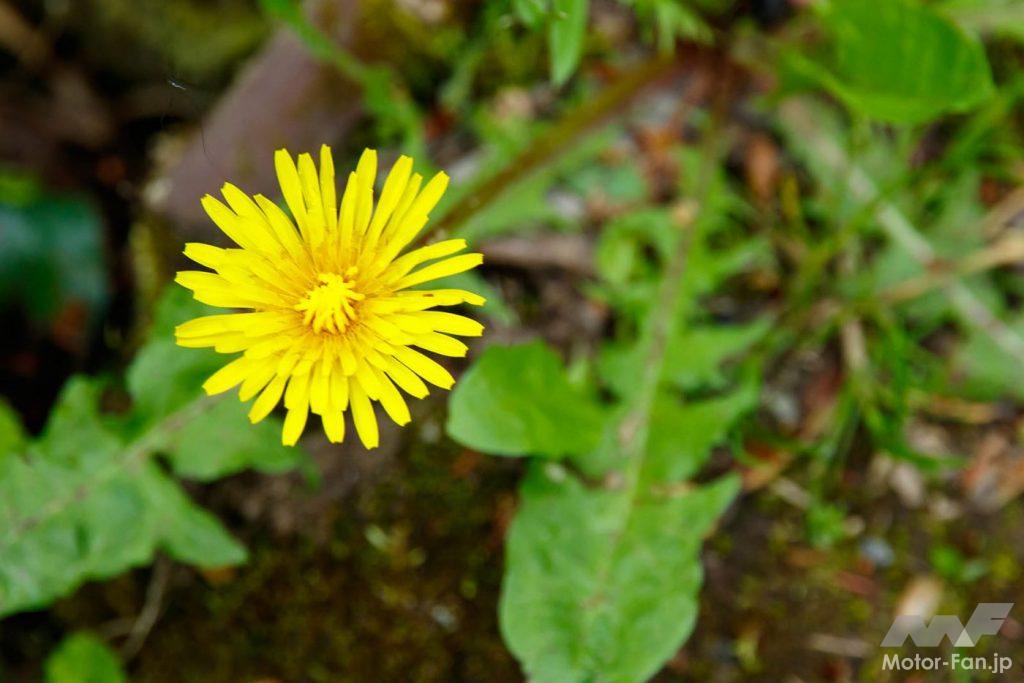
[(405, 589)]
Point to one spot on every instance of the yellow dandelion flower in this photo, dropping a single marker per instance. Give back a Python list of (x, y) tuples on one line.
[(331, 323)]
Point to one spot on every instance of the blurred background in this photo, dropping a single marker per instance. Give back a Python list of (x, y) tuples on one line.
[(835, 187)]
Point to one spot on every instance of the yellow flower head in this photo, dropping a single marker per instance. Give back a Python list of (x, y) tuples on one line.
[(330, 322)]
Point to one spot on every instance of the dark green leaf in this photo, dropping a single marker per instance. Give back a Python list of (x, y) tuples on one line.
[(51, 255)]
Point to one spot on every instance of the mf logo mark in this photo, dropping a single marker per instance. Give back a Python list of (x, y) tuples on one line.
[(988, 617)]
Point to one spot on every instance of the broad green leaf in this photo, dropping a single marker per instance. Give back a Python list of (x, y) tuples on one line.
[(51, 254), (680, 437), (516, 400), (87, 500), (83, 658), (599, 586), (188, 533), (900, 61), (567, 28), (222, 441), (82, 503)]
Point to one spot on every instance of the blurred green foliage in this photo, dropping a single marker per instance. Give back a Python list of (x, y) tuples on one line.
[(51, 250), (899, 61), (83, 658), (950, 564)]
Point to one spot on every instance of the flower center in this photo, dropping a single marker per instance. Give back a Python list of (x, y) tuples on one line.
[(329, 306)]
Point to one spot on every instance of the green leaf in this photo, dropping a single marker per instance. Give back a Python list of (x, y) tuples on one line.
[(601, 583), (531, 12), (222, 441), (634, 248), (83, 658), (682, 434), (83, 503), (900, 61), (188, 533), (672, 20), (517, 400), (164, 377), (12, 434), (622, 251), (567, 28), (52, 254), (985, 370), (693, 357), (598, 586)]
